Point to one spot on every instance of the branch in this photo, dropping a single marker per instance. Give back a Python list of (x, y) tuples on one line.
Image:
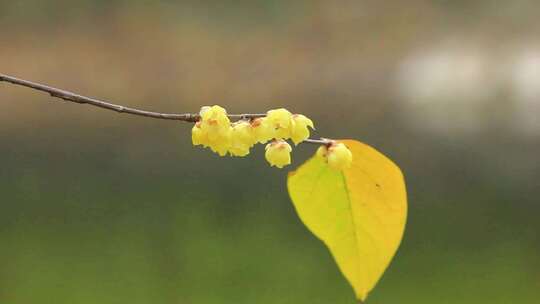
[(80, 99)]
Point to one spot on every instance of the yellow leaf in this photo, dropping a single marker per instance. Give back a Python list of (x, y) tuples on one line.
[(359, 213)]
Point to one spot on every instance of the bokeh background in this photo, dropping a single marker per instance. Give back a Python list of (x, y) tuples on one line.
[(98, 207)]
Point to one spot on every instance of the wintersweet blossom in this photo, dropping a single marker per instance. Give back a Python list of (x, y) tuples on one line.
[(215, 129), (282, 122), (278, 153), (242, 139), (262, 129), (300, 130), (337, 156), (198, 136)]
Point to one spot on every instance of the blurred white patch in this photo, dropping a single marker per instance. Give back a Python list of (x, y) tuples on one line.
[(460, 88), (446, 87), (525, 81)]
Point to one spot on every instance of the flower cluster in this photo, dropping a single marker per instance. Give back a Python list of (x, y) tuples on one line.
[(214, 130)]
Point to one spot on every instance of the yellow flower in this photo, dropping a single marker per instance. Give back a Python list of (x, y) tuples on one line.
[(282, 122), (198, 136), (222, 143), (216, 113), (300, 131), (278, 153), (215, 129), (262, 130), (214, 121), (338, 156), (242, 139)]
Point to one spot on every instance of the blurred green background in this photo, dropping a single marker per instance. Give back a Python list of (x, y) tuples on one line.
[(98, 207)]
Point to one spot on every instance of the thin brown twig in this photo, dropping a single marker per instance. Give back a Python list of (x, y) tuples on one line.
[(77, 98)]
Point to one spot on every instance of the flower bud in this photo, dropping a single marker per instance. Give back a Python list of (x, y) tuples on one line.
[(278, 153), (338, 156)]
